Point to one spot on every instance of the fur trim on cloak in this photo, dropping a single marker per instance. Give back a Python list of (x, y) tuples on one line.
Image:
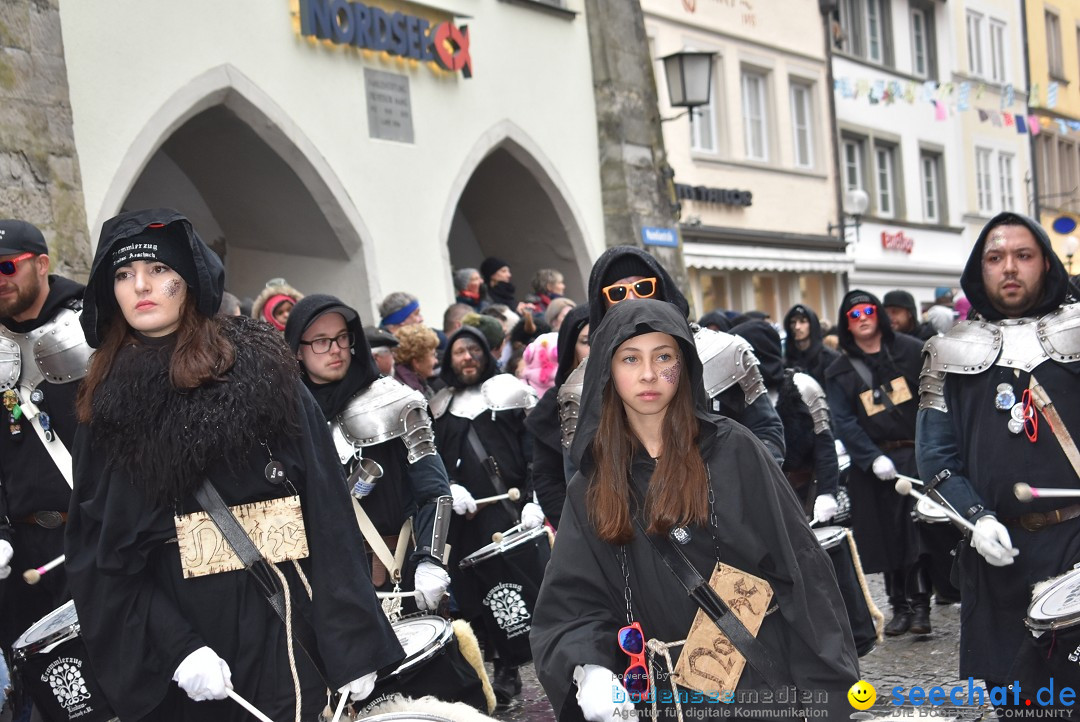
[(166, 438)]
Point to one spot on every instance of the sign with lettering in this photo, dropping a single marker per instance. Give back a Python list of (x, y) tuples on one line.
[(369, 27), (897, 241), (704, 194), (666, 237), (389, 109)]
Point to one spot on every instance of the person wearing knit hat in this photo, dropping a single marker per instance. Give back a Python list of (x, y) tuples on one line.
[(904, 315), (497, 275), (399, 309), (557, 310), (941, 315), (873, 395), (182, 406), (490, 327)]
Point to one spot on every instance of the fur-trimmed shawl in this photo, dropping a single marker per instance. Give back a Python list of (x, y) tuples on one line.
[(166, 438)]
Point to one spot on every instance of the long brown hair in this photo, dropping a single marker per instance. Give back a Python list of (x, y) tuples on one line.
[(202, 354), (678, 492)]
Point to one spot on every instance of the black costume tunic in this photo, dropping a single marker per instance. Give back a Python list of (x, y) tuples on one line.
[(973, 442), (30, 482), (881, 518), (759, 529), (148, 447)]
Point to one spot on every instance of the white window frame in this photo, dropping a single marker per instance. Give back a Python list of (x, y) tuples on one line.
[(974, 23), (999, 51), (1007, 181), (805, 129), (875, 31), (984, 192), (1054, 56), (701, 118), (920, 54), (853, 163), (758, 115), (885, 180), (930, 170)]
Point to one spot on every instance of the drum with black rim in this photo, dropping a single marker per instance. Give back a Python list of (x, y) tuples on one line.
[(836, 541), (1053, 650)]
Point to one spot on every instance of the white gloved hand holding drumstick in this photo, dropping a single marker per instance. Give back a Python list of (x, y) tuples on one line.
[(430, 583), (360, 689), (204, 675), (991, 539), (464, 503), (6, 552), (598, 688)]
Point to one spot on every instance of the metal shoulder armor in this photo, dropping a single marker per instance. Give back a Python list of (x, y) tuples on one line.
[(57, 348), (814, 397), (727, 360), (970, 347), (1059, 333), (569, 399), (388, 409), (440, 402), (504, 392)]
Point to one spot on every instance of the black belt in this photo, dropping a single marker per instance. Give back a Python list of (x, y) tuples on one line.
[(45, 519), (1036, 520)]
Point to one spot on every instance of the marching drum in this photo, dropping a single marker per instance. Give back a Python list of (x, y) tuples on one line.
[(927, 512), (433, 665), (835, 541), (51, 660), (508, 574), (1054, 621)]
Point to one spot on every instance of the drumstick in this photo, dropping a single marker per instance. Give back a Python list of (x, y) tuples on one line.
[(341, 706), (398, 595), (904, 487), (513, 494), (1025, 492), (33, 576), (912, 479), (499, 535), (248, 706)]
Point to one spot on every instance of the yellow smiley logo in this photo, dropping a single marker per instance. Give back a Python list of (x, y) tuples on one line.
[(862, 695)]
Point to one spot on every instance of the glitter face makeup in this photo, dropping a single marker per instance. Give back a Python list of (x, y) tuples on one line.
[(671, 374), (172, 287)]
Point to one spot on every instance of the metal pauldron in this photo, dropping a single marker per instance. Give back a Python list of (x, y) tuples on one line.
[(419, 436), (58, 349), (814, 398), (569, 400), (387, 409), (932, 388)]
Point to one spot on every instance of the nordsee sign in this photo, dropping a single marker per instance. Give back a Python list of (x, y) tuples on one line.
[(372, 28), (659, 237)]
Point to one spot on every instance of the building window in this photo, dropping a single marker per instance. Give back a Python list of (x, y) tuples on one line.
[(974, 42), (853, 164), (931, 187), (984, 200), (1069, 177), (802, 124), (920, 62), (997, 51), (755, 122), (863, 29), (886, 180), (874, 32), (1005, 182), (703, 126), (1053, 45)]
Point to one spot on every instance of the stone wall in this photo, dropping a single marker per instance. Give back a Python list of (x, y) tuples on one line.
[(39, 167)]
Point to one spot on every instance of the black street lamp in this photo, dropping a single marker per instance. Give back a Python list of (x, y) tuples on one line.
[(689, 80)]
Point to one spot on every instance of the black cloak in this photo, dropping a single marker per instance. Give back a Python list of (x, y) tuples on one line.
[(816, 357), (139, 616), (760, 529), (548, 475), (972, 441)]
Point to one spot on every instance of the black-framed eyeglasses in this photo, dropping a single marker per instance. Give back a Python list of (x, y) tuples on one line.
[(344, 341)]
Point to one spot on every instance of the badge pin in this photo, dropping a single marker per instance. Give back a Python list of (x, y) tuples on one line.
[(680, 534), (1017, 413), (1005, 397), (1015, 426), (275, 472), (37, 396)]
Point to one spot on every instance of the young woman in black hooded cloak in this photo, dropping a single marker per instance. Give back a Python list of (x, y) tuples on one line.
[(175, 395), (651, 450)]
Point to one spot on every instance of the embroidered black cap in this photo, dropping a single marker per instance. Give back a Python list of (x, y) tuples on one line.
[(21, 237)]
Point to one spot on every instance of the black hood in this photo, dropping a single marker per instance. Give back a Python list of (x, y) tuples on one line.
[(618, 256), (715, 318), (571, 327), (766, 342), (333, 397), (791, 352), (1056, 287), (99, 303), (446, 367), (623, 321), (854, 298), (63, 293)]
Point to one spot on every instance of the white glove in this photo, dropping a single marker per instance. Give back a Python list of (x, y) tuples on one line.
[(360, 689), (991, 539), (600, 694), (6, 553), (464, 503), (884, 468), (532, 515), (824, 507), (203, 675), (430, 583)]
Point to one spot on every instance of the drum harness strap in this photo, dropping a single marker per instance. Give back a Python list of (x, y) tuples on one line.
[(395, 562), (51, 441), (297, 628), (492, 469), (1057, 425)]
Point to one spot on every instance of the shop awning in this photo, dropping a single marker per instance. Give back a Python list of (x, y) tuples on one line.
[(763, 258)]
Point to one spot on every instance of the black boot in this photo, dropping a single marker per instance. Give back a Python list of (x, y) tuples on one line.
[(919, 593), (507, 682), (896, 589), (920, 618)]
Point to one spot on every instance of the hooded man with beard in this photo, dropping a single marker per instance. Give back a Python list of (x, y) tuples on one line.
[(804, 349), (35, 471), (731, 377), (999, 406), (381, 420), (872, 390), (481, 436), (648, 448)]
